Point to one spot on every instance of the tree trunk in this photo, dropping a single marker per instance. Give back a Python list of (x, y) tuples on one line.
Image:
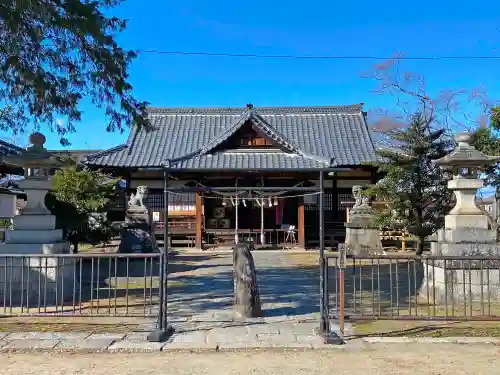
[(420, 245)]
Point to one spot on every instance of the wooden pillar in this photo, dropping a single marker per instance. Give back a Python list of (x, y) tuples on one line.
[(236, 220), (300, 224), (199, 220), (262, 235)]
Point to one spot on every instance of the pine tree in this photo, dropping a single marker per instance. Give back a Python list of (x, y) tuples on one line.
[(56, 54), (415, 188)]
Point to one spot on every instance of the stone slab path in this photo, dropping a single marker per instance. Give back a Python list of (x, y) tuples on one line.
[(200, 308), (297, 337)]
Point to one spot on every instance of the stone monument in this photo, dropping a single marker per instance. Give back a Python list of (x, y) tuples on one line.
[(137, 236), (467, 232), (362, 237), (34, 232), (246, 291)]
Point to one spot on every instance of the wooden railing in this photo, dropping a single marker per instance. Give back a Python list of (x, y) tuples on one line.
[(178, 224)]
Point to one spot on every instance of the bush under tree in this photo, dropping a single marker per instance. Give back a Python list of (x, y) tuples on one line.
[(77, 198)]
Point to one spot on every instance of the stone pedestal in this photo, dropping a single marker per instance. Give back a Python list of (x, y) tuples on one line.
[(137, 234), (45, 279), (42, 279), (362, 238), (459, 281), (466, 234)]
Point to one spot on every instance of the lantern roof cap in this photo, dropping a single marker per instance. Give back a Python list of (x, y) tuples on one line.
[(465, 154), (35, 155)]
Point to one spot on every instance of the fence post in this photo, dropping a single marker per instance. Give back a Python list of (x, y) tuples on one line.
[(342, 266), (164, 330), (328, 336)]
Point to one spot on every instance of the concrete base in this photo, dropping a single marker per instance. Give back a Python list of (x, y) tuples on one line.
[(32, 281), (466, 221), (362, 241), (35, 280), (33, 236), (447, 285), (34, 222), (467, 235), (137, 235), (460, 281), (32, 248)]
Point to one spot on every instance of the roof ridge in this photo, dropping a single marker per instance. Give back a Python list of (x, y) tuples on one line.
[(282, 139), (351, 108), (228, 132), (104, 152), (261, 123)]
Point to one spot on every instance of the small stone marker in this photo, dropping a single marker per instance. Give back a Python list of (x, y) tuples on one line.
[(246, 291)]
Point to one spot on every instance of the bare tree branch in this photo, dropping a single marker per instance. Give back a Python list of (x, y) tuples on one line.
[(450, 109)]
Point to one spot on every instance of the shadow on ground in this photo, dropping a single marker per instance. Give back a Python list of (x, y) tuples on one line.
[(283, 291)]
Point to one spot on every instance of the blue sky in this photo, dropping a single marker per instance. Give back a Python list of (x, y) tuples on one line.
[(292, 27)]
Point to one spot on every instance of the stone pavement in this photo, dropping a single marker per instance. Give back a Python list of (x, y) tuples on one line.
[(205, 295), (285, 336), (200, 309), (243, 336)]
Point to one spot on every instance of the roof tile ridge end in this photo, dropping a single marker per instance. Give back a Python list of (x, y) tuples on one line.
[(106, 152)]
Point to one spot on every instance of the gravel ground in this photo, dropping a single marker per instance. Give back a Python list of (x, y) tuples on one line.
[(411, 359)]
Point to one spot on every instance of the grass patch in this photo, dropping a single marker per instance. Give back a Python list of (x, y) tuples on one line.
[(311, 258), (393, 328), (139, 283), (70, 324)]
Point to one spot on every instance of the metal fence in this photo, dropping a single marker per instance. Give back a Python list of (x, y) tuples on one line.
[(411, 287), (125, 285)]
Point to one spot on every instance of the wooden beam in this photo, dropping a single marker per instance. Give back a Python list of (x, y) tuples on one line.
[(301, 223), (199, 219)]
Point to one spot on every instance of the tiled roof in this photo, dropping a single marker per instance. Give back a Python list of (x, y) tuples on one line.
[(317, 137), (249, 161), (7, 148)]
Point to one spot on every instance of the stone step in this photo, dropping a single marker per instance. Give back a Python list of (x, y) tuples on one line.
[(34, 222), (30, 248), (33, 236)]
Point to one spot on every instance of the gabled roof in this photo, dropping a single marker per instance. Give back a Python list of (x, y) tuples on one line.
[(188, 138)]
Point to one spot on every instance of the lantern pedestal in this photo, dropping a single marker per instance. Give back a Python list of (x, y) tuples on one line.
[(362, 237), (467, 233), (36, 279)]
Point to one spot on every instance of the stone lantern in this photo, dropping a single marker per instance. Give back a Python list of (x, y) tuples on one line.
[(466, 164), (467, 231), (34, 229), (38, 164)]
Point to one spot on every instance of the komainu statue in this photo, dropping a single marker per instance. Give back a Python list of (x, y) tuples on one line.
[(246, 291), (137, 200)]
